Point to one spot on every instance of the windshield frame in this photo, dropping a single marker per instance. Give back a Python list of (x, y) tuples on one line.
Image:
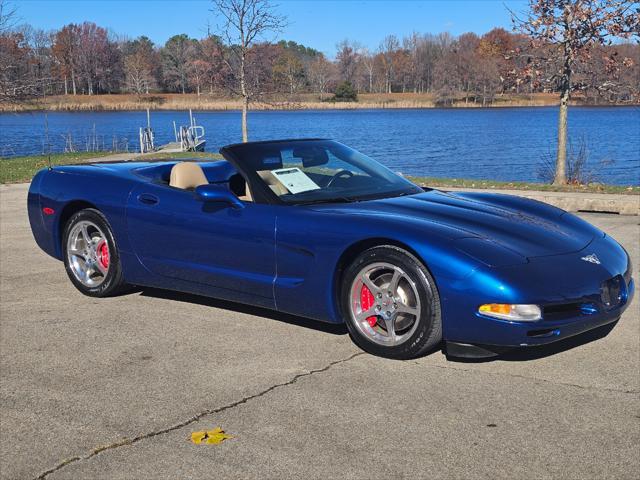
[(263, 194)]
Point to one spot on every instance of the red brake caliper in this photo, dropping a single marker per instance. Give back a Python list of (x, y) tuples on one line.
[(366, 302), (103, 252)]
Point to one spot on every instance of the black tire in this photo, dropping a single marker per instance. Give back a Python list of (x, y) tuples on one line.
[(428, 333), (113, 283)]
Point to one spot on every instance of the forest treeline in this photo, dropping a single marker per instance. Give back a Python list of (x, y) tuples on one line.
[(87, 59)]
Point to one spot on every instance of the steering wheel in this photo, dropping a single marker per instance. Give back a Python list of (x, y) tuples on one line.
[(340, 173)]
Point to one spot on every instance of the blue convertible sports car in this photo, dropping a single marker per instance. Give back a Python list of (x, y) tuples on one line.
[(314, 228)]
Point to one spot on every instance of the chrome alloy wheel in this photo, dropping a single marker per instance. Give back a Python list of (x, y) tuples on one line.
[(385, 305), (88, 253)]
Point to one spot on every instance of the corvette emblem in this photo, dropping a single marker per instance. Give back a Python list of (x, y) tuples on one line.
[(593, 258)]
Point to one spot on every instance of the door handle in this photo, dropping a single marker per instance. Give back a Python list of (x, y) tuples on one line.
[(148, 199)]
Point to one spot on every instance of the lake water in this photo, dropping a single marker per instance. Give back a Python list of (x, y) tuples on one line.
[(500, 144)]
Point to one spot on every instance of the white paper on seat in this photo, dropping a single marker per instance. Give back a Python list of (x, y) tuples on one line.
[(295, 180)]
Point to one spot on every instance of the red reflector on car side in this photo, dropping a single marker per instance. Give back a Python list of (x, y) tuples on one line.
[(48, 211)]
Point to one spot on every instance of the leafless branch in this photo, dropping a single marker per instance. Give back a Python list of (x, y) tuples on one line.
[(8, 14)]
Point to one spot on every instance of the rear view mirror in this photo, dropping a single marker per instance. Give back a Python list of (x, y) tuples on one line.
[(218, 193)]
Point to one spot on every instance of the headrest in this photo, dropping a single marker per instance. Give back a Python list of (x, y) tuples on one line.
[(187, 175)]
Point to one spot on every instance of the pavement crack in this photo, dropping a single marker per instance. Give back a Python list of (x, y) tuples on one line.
[(541, 380), (193, 419)]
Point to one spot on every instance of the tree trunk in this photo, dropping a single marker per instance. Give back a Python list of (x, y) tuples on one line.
[(66, 87), (73, 82), (565, 91), (561, 159), (245, 108), (245, 103), (244, 93)]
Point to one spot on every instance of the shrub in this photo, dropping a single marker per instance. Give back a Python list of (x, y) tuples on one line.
[(579, 172), (345, 93)]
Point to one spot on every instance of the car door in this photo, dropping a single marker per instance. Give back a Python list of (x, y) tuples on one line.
[(231, 250)]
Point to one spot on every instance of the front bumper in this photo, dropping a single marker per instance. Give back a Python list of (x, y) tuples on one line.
[(576, 297), (545, 331)]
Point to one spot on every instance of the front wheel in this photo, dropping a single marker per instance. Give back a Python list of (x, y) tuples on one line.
[(390, 304), (91, 256)]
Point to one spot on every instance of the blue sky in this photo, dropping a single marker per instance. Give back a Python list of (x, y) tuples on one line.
[(316, 23)]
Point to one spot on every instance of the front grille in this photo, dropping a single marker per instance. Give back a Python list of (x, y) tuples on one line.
[(563, 309)]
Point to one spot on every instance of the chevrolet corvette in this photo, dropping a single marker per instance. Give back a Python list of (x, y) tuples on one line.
[(316, 229)]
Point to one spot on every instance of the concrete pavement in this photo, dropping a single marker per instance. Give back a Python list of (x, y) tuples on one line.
[(112, 388)]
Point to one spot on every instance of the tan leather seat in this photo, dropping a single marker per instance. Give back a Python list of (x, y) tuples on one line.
[(187, 175)]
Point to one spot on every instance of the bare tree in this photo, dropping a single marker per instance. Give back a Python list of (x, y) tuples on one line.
[(369, 64), (289, 70), (347, 59), (245, 21), (571, 29), (388, 48), (212, 52), (139, 63), (7, 16), (320, 72), (24, 66), (65, 46), (411, 45)]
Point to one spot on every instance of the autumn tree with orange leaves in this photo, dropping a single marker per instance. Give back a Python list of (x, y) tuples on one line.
[(564, 35)]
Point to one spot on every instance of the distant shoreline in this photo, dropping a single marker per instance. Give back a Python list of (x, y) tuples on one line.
[(302, 102)]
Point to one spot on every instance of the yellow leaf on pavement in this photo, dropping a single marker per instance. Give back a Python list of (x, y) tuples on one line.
[(210, 437), (197, 437), (217, 437)]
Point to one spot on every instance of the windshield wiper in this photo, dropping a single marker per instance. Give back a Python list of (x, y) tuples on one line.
[(404, 194)]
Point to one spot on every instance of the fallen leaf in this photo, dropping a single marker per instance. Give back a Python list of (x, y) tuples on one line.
[(197, 437), (210, 437), (218, 438)]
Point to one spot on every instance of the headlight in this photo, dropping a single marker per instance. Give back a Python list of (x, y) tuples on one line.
[(516, 313)]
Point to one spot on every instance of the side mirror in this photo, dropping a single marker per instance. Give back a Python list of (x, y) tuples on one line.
[(215, 193)]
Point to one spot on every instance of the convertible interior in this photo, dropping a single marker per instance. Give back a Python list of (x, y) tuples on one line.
[(189, 175), (325, 172)]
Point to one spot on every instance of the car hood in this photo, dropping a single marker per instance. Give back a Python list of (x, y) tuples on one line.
[(526, 227)]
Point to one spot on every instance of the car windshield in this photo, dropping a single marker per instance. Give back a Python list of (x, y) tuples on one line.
[(319, 171)]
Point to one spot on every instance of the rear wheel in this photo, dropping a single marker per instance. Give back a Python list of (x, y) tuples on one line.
[(390, 303), (91, 256)]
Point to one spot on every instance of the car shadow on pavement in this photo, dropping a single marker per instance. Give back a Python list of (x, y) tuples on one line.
[(334, 329), (536, 352)]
